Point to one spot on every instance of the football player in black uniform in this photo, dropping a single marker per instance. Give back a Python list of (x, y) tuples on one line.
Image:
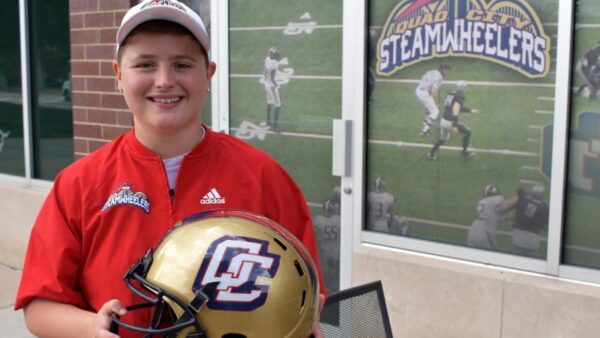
[(531, 220), (379, 207), (589, 67), (454, 105)]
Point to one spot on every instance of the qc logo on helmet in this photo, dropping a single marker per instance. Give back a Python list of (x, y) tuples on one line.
[(236, 263)]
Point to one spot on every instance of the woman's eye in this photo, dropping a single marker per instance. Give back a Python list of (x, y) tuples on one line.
[(182, 66), (144, 65)]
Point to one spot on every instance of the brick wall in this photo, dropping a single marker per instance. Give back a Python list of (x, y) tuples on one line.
[(99, 111)]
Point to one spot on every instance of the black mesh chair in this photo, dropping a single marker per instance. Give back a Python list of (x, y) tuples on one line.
[(357, 312)]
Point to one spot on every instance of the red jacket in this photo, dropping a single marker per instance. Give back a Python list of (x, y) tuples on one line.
[(107, 209)]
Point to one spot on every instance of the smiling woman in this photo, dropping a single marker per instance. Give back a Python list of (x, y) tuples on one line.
[(109, 208), (164, 85)]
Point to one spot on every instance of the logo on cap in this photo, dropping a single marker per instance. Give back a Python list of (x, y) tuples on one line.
[(163, 3)]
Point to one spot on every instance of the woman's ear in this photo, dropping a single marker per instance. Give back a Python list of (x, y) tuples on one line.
[(212, 68), (117, 71)]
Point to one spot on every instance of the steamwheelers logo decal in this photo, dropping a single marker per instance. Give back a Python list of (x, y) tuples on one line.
[(507, 32)]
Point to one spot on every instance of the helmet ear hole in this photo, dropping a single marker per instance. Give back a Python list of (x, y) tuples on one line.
[(233, 335), (299, 268), (303, 298), (283, 246)]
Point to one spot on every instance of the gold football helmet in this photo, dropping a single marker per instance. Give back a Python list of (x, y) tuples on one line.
[(226, 274)]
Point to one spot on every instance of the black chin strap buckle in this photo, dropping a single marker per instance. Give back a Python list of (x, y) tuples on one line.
[(202, 296), (200, 299)]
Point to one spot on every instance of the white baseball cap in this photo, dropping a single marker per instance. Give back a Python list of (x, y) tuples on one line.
[(170, 10)]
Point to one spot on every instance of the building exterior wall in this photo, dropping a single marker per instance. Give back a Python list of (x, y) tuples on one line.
[(99, 111), (427, 296), (18, 209)]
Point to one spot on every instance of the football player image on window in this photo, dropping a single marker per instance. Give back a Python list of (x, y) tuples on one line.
[(454, 105), (270, 67), (428, 93), (488, 214), (530, 221)]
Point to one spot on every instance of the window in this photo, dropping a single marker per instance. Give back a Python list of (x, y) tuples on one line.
[(460, 111), (49, 113), (285, 90), (11, 99), (581, 234), (52, 122)]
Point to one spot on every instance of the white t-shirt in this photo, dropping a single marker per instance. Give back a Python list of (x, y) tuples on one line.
[(172, 166)]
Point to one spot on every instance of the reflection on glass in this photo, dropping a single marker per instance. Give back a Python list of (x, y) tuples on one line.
[(285, 90), (11, 108), (581, 232), (51, 88), (460, 99), (202, 7), (327, 224)]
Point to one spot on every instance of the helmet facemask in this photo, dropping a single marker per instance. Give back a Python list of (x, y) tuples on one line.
[(163, 303)]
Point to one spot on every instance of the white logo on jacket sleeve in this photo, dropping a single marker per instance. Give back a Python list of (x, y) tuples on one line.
[(212, 197), (126, 196)]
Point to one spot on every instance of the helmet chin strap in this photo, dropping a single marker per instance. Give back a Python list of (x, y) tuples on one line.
[(196, 305)]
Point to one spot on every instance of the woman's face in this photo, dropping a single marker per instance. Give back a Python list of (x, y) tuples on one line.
[(165, 79)]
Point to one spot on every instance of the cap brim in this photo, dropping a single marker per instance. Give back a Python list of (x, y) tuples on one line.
[(164, 13)]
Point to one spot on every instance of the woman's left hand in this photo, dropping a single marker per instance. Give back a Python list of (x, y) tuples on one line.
[(317, 333)]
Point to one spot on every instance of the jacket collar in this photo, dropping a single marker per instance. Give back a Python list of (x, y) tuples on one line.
[(140, 151)]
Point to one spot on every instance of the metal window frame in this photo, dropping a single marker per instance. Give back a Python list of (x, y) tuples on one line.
[(353, 208), (25, 85), (27, 180), (219, 17)]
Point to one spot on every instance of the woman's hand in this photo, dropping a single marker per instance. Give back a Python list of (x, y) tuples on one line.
[(317, 333), (101, 324)]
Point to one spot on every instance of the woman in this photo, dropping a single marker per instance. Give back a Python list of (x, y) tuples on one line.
[(105, 210)]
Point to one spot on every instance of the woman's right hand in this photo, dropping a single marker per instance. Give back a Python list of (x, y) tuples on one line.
[(101, 324)]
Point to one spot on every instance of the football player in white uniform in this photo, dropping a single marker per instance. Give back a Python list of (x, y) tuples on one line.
[(327, 233), (379, 207), (488, 214), (270, 67), (428, 93)]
